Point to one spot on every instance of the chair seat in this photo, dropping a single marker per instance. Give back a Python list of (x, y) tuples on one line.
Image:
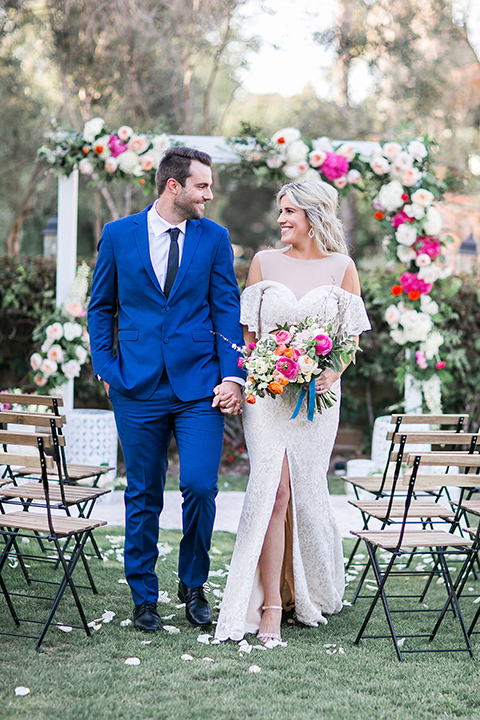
[(370, 484), (75, 471), (35, 491), (62, 525), (471, 506), (419, 508), (388, 539)]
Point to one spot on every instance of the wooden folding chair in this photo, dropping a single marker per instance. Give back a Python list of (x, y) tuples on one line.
[(52, 529), (401, 541), (73, 473)]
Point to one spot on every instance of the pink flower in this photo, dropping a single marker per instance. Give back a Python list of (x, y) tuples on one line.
[(411, 281), (240, 362), (288, 367), (334, 166), (116, 145), (252, 346), (324, 345), (283, 337), (429, 245), (400, 218), (440, 365)]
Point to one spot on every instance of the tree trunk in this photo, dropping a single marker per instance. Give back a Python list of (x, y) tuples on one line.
[(25, 208)]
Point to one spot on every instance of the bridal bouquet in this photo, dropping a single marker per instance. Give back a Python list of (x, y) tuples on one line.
[(295, 355)]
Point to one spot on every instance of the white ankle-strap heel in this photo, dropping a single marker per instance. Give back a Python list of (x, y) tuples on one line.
[(266, 637)]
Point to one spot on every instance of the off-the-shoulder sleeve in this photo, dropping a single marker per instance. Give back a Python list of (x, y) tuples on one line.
[(250, 303), (355, 319)]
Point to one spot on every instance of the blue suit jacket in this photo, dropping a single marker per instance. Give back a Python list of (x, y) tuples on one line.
[(156, 333)]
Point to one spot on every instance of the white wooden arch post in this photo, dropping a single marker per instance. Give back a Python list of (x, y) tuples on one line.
[(221, 152)]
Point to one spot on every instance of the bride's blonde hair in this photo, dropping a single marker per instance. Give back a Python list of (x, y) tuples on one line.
[(319, 201)]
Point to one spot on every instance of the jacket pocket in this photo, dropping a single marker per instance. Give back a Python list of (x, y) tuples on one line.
[(127, 335), (203, 336)]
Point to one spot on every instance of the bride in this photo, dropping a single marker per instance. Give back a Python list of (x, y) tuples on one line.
[(288, 553)]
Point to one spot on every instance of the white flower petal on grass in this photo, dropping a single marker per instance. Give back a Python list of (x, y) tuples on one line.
[(477, 600), (65, 628), (171, 629), (207, 659), (146, 642), (244, 647), (204, 638), (218, 593), (163, 597), (274, 643), (180, 605), (186, 656), (168, 617), (217, 573), (132, 661), (215, 551), (329, 645), (108, 616), (216, 642), (346, 603), (331, 651), (259, 647), (401, 641), (341, 651), (254, 669), (125, 623), (164, 549), (122, 581), (21, 691)]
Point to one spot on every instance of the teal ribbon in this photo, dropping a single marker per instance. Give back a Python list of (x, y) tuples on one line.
[(311, 401)]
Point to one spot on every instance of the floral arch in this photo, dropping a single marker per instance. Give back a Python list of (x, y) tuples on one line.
[(396, 177)]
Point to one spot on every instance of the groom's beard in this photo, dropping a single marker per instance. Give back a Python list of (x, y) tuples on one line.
[(187, 208)]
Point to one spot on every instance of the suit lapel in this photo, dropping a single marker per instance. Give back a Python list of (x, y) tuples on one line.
[(140, 231), (192, 237)]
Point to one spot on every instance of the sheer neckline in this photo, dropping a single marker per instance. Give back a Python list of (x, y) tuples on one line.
[(323, 287)]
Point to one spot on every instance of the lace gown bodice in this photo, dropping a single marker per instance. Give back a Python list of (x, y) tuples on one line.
[(291, 290)]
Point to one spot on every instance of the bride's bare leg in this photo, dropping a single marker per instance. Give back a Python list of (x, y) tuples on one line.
[(271, 559)]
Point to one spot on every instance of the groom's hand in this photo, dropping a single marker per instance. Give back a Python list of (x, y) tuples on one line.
[(228, 397)]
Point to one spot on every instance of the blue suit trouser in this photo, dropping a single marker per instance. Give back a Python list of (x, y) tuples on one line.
[(145, 428)]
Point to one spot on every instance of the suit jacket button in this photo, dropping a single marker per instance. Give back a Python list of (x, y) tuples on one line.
[(166, 340), (167, 308)]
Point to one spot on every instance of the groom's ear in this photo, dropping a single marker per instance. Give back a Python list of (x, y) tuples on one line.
[(173, 186)]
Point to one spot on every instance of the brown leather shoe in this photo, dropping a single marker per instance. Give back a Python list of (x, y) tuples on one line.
[(197, 609)]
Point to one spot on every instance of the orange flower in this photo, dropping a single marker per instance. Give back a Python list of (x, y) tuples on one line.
[(99, 149), (289, 352), (284, 381), (142, 181), (250, 399), (280, 350), (276, 388), (413, 294), (86, 150), (281, 140), (251, 378), (378, 215), (396, 290)]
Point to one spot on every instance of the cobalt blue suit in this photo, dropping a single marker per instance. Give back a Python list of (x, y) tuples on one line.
[(162, 373)]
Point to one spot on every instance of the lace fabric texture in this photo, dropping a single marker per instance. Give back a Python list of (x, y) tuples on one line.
[(270, 433)]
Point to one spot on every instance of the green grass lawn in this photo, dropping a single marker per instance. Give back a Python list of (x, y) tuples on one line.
[(77, 678)]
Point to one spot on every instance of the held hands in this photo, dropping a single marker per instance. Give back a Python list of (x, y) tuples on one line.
[(228, 398), (107, 387), (325, 381)]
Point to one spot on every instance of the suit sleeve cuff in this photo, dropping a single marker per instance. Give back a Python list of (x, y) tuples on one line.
[(238, 380)]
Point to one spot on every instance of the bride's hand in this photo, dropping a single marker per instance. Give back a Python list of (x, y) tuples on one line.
[(325, 381)]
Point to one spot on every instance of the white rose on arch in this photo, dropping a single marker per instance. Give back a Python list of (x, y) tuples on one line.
[(54, 331), (392, 316), (429, 273), (124, 133), (347, 151), (415, 211), (128, 162), (433, 222), (323, 143), (286, 136), (391, 150), (102, 148), (138, 143), (390, 196), (296, 152), (380, 165), (411, 177), (48, 367), (81, 354), (71, 369), (398, 336), (417, 149), (406, 234), (85, 167), (56, 354), (317, 158), (275, 161), (428, 305), (422, 197), (353, 176), (36, 361), (422, 260), (432, 344), (111, 164), (406, 254), (72, 330), (92, 128), (161, 143)]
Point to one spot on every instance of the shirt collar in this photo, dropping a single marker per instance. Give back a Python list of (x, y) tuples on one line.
[(159, 225)]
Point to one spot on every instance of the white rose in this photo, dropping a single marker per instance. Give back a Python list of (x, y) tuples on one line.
[(417, 149), (85, 167), (111, 164), (429, 273), (286, 136), (405, 254), (409, 319), (423, 197), (292, 171), (340, 182), (47, 345), (138, 143), (81, 354), (128, 162), (55, 331), (428, 305), (390, 150), (71, 369), (433, 222), (161, 143), (445, 273), (411, 177), (147, 162), (392, 316), (323, 143), (415, 211), (398, 336), (353, 176), (296, 152), (390, 196), (72, 330), (422, 260), (432, 344), (260, 366), (306, 365), (317, 158), (48, 367), (92, 128), (416, 325), (36, 361), (347, 151), (124, 133), (102, 148), (56, 354), (75, 309), (406, 234), (275, 161), (380, 165), (403, 161)]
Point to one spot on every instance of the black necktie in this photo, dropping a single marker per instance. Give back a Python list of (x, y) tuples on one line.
[(172, 267)]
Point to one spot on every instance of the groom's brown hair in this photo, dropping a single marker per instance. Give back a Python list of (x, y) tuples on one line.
[(176, 164)]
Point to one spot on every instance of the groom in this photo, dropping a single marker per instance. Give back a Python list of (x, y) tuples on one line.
[(166, 275)]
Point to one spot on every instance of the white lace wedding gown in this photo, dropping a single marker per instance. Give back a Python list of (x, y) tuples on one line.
[(291, 290)]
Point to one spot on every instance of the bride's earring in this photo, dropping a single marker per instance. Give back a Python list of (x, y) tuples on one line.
[(311, 234)]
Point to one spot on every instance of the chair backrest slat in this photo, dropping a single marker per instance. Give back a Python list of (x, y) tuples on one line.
[(27, 418), (30, 439), (434, 437), (440, 458), (429, 419), (47, 400), (30, 461)]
